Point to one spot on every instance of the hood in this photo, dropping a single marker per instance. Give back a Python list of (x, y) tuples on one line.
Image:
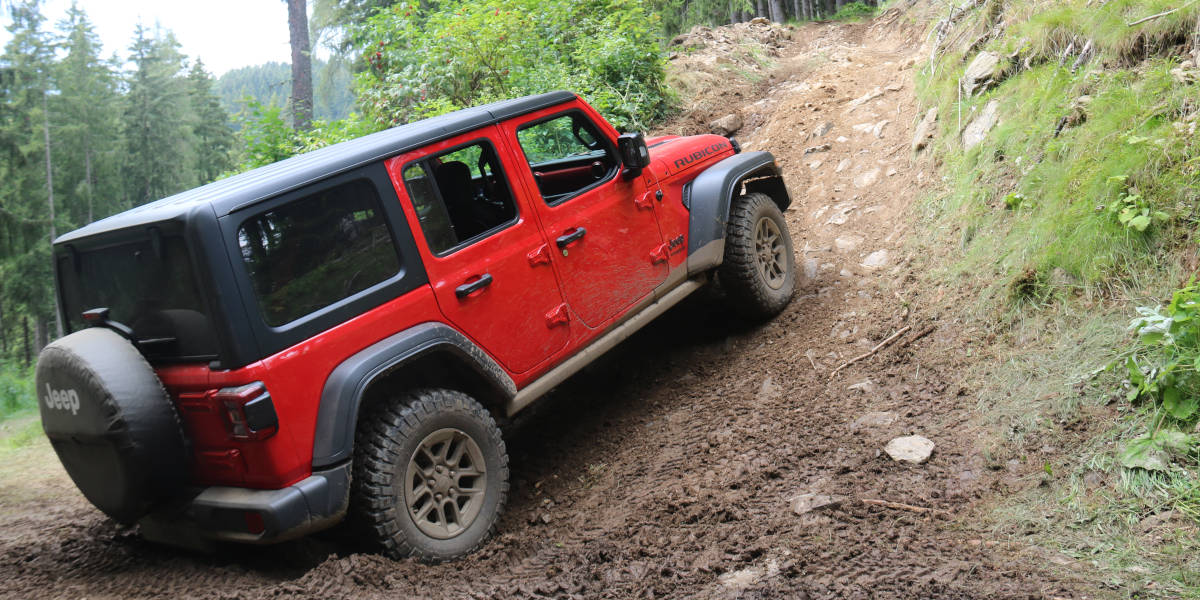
[(671, 155)]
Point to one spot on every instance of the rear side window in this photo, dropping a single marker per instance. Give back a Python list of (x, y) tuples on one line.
[(316, 250)]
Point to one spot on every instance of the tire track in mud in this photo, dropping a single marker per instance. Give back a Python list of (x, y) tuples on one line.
[(667, 469)]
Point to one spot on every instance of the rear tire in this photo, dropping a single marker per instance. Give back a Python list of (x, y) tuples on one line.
[(430, 474), (759, 270)]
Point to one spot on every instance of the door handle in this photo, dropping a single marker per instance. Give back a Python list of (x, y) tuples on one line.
[(467, 289), (566, 240)]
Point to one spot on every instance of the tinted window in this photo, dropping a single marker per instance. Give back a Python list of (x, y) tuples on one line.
[(147, 285), (314, 251), (566, 154), (459, 195)]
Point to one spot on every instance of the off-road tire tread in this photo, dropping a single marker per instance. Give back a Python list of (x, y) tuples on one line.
[(382, 430), (738, 273)]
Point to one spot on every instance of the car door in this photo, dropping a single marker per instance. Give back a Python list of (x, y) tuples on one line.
[(486, 258), (602, 225)]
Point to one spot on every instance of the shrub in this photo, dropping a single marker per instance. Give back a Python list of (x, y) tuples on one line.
[(427, 60)]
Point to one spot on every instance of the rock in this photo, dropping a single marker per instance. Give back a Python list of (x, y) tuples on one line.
[(876, 259), (978, 129), (842, 139), (841, 213), (867, 179), (891, 172), (865, 98), (875, 419), (910, 448), (823, 129), (816, 164), (842, 166), (847, 243), (726, 125), (863, 127), (895, 87), (806, 503), (877, 130), (981, 73), (760, 21), (812, 267), (821, 148), (926, 129), (865, 386)]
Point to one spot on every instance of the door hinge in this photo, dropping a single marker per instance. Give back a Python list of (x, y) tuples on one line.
[(660, 254), (645, 201), (539, 256), (559, 316)]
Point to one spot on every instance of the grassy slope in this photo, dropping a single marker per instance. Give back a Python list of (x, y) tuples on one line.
[(1023, 229)]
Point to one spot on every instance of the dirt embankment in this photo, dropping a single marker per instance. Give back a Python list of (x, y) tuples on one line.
[(674, 467)]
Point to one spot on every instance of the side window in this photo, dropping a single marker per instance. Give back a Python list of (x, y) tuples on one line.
[(319, 249), (459, 195), (566, 154)]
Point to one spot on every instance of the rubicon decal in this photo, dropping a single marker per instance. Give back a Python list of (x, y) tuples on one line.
[(699, 154), (62, 399)]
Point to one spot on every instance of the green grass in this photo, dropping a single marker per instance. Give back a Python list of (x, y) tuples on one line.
[(1023, 228), (16, 391)]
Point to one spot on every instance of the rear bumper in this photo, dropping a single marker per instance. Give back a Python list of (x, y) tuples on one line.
[(254, 516)]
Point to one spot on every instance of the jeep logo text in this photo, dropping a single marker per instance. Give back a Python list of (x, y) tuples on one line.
[(62, 399)]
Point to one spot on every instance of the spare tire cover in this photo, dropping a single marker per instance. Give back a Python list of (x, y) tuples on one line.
[(111, 422)]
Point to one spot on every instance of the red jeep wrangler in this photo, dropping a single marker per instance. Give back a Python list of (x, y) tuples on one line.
[(335, 334)]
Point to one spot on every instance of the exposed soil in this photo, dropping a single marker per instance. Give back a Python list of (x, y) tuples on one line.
[(669, 469)]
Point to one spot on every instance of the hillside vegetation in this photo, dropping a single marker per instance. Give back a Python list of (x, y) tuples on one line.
[(1066, 134)]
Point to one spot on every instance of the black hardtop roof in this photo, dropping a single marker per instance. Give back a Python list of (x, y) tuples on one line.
[(244, 189)]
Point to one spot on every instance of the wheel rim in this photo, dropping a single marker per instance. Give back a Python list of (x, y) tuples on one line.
[(445, 482), (770, 253)]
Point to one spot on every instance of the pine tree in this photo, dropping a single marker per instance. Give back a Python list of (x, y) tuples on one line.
[(27, 201), (155, 120), (88, 111), (210, 126)]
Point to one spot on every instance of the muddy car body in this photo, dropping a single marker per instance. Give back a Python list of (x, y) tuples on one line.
[(338, 332)]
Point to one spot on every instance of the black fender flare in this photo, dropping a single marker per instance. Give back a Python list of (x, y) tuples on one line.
[(337, 416), (710, 195)]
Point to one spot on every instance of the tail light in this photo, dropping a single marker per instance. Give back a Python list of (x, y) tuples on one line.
[(249, 412)]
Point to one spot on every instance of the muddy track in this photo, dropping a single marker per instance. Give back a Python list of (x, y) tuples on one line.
[(669, 468)]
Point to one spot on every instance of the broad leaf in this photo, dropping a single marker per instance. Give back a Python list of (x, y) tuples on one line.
[(1143, 453), (1178, 405)]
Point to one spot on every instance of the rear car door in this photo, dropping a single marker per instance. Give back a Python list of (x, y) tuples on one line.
[(487, 261), (600, 223)]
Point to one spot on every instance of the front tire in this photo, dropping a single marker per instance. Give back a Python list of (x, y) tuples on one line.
[(759, 269), (430, 474)]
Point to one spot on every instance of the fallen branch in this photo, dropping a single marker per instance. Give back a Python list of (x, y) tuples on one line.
[(1161, 14), (898, 506), (873, 351), (920, 334)]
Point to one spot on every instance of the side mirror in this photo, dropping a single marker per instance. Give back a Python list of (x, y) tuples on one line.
[(634, 153)]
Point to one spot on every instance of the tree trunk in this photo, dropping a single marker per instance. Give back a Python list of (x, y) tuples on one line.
[(25, 337), (87, 182), (3, 334), (759, 8), (39, 335), (776, 7), (58, 324), (302, 88)]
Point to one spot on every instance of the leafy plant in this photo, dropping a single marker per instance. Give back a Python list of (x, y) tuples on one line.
[(1134, 212), (1165, 370)]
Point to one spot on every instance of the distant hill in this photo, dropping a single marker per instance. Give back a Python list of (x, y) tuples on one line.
[(271, 83)]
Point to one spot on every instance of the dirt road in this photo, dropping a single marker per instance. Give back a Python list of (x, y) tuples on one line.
[(671, 468)]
